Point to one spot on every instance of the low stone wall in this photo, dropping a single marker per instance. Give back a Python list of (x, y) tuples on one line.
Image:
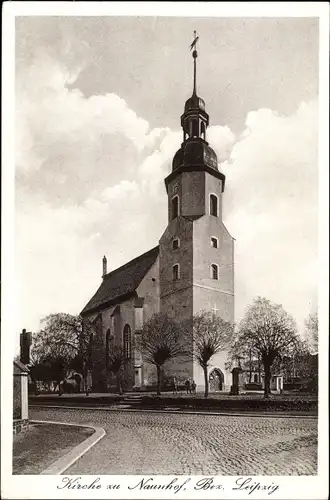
[(20, 425)]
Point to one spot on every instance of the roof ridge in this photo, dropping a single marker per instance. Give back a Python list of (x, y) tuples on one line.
[(130, 262), (122, 281)]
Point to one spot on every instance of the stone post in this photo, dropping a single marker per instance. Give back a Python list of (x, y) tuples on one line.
[(234, 390), (25, 343)]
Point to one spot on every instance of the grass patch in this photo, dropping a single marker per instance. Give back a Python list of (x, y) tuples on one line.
[(254, 403), (40, 446)]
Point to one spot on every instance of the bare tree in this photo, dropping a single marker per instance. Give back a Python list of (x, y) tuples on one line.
[(207, 334), (268, 330), (312, 331), (159, 342), (114, 363)]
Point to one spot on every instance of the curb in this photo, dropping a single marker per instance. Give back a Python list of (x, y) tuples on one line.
[(63, 463), (184, 412)]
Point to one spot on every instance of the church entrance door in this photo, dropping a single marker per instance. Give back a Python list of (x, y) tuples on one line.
[(216, 380)]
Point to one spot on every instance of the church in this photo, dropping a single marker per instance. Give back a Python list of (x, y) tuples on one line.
[(191, 269)]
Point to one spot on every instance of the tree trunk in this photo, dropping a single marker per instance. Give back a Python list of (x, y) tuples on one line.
[(86, 385), (85, 374), (250, 367), (158, 380), (206, 382), (267, 377), (119, 387)]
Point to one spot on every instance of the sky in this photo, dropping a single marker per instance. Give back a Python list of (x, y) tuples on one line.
[(98, 106)]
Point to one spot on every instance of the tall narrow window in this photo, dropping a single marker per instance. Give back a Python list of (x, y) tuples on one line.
[(127, 341), (175, 243), (108, 345), (175, 207), (214, 242), (213, 205), (195, 128), (190, 129), (203, 130), (176, 272), (214, 272)]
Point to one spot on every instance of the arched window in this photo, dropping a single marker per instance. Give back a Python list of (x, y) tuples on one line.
[(175, 207), (195, 128), (127, 341), (190, 129), (214, 272), (203, 130), (255, 378), (213, 205), (108, 344), (175, 243), (176, 272), (214, 242)]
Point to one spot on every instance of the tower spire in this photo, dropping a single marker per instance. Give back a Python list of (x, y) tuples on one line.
[(195, 55)]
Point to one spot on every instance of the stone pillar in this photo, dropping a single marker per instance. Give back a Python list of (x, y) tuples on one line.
[(235, 387), (24, 396), (20, 397)]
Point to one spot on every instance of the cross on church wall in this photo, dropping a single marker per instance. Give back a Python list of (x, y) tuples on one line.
[(214, 309)]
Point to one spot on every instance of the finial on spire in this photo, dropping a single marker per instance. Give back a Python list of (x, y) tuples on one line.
[(194, 54), (104, 265)]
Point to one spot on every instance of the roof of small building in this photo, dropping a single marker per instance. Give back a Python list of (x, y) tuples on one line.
[(21, 366), (121, 282)]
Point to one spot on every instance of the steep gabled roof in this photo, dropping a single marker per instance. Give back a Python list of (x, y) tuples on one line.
[(122, 282)]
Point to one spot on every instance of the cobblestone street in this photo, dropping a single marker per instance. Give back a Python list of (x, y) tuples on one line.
[(149, 443)]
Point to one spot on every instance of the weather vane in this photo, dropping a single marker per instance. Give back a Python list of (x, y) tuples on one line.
[(196, 38)]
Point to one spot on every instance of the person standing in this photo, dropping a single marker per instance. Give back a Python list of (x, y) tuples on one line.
[(187, 385)]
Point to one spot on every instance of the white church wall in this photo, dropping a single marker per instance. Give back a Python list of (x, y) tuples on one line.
[(205, 254)]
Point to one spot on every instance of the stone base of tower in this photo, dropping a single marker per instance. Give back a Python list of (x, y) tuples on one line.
[(218, 377)]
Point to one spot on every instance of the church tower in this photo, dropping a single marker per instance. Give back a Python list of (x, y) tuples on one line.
[(196, 252)]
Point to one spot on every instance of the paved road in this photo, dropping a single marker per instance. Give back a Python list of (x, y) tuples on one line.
[(142, 443)]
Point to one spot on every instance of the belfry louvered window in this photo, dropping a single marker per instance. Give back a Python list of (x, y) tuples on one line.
[(175, 207), (213, 205)]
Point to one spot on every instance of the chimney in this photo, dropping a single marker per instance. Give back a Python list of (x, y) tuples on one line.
[(104, 266), (25, 341)]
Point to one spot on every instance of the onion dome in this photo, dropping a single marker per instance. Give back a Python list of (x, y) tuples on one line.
[(194, 103), (195, 153)]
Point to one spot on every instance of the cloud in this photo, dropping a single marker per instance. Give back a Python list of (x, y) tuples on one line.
[(66, 141), (222, 139), (271, 208), (90, 181)]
